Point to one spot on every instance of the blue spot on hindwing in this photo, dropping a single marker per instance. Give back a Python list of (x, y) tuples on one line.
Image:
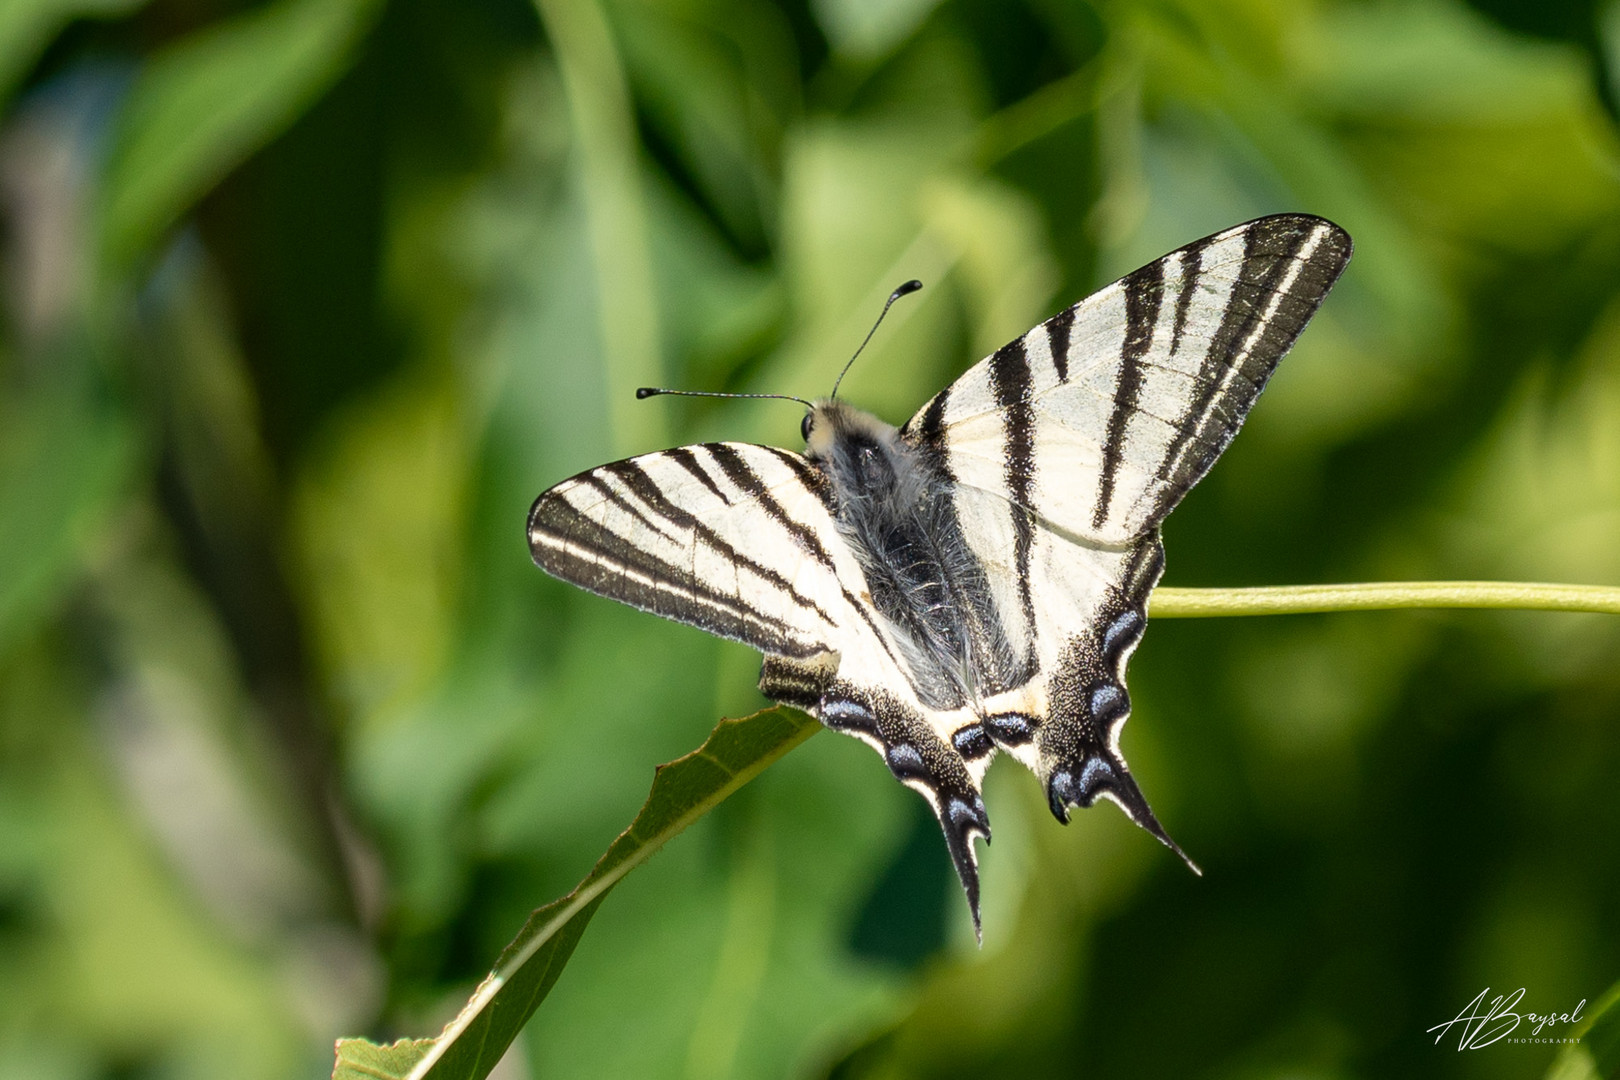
[(972, 742), (904, 761), (1010, 729), (1108, 703), (1096, 775), (1124, 631)]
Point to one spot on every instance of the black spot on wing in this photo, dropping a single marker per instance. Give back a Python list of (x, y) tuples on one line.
[(1121, 633), (972, 742), (1011, 729), (842, 712)]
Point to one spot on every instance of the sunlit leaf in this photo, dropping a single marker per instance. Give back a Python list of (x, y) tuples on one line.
[(1597, 1055), (358, 1059), (869, 28)]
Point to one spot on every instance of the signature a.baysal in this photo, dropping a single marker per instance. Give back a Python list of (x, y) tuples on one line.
[(1484, 1024)]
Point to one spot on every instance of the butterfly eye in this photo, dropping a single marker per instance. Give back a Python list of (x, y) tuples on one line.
[(804, 428)]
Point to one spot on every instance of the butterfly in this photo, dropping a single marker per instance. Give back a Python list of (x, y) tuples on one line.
[(975, 581)]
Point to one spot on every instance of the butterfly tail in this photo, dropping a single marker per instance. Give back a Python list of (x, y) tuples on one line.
[(946, 775), (1101, 774)]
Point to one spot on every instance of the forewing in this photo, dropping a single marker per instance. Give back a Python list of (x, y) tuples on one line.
[(1100, 419), (732, 538)]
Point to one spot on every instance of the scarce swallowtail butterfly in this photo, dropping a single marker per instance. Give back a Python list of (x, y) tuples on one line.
[(976, 580)]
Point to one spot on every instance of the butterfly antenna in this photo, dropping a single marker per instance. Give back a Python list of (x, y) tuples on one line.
[(654, 391), (909, 287)]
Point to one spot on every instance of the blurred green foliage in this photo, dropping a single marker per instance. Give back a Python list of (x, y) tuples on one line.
[(305, 300)]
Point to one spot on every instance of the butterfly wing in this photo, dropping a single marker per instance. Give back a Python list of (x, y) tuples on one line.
[(1104, 416), (1061, 454), (739, 540), (1070, 445), (731, 538)]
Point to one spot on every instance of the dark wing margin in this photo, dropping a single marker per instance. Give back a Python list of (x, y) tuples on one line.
[(1289, 263), (727, 537)]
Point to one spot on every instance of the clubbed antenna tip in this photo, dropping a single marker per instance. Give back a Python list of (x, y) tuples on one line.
[(909, 287)]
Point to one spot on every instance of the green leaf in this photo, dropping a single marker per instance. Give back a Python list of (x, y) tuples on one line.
[(200, 108), (1597, 1055), (867, 29), (683, 791)]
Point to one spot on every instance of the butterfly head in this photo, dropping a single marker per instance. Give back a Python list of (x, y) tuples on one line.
[(832, 429)]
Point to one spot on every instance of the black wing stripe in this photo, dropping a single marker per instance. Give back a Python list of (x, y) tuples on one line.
[(604, 489), (1058, 330), (1192, 265), (647, 490), (740, 473), (683, 456), (930, 430), (813, 479), (663, 596), (603, 561), (1011, 380), (1144, 290)]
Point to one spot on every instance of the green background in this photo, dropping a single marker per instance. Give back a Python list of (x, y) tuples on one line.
[(304, 301)]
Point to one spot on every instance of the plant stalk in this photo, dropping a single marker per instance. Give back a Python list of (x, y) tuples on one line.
[(1172, 603)]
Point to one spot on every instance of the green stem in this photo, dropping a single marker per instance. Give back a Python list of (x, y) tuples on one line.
[(1298, 599)]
